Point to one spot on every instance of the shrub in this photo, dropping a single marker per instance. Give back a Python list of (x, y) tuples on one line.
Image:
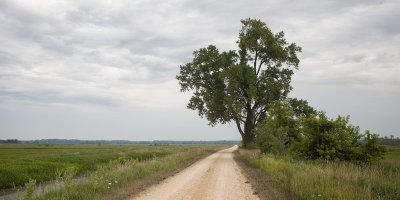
[(272, 140), (371, 150), (279, 131), (329, 139), (315, 136)]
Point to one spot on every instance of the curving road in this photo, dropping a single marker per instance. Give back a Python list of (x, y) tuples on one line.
[(215, 177)]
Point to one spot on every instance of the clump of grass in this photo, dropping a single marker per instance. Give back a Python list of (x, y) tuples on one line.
[(332, 180), (18, 197), (30, 188)]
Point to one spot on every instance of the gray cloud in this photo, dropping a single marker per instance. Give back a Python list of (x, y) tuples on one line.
[(124, 55)]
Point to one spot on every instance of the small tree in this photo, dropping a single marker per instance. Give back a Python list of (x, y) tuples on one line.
[(281, 130), (329, 139), (371, 150), (239, 86)]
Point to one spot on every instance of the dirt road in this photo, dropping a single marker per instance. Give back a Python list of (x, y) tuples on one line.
[(215, 177)]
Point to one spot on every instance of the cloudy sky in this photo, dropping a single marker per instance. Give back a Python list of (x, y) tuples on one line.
[(106, 69)]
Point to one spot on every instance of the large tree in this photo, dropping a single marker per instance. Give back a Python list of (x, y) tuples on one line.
[(239, 85)]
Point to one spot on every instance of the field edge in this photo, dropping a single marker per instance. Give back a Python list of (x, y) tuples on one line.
[(264, 185)]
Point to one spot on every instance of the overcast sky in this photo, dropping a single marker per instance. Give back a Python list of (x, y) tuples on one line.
[(106, 69)]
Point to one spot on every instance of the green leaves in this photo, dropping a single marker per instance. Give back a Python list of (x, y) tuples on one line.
[(371, 150), (279, 130), (240, 85), (203, 76), (301, 108), (257, 43), (330, 139)]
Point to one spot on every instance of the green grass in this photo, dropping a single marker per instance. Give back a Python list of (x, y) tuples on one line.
[(19, 163), (334, 180), (392, 160)]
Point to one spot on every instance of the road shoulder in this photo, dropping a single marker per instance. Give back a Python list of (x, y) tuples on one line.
[(263, 185), (142, 184)]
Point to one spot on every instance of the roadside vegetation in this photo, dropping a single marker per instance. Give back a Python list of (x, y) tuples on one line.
[(294, 128), (322, 158), (116, 176), (103, 169), (322, 179)]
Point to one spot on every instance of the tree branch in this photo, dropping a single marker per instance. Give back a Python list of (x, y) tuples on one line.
[(238, 126), (255, 105), (259, 67), (247, 100), (262, 112), (255, 63), (243, 93)]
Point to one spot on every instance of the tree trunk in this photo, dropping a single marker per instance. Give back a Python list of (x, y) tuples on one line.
[(247, 139), (248, 135)]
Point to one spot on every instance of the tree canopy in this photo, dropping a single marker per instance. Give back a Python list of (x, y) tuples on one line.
[(239, 86)]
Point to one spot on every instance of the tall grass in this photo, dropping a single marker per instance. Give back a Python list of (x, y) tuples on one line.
[(332, 180), (19, 163)]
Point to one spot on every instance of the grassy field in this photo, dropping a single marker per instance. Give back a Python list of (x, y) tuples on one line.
[(333, 180), (19, 163)]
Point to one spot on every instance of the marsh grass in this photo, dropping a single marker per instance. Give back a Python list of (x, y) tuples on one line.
[(20, 163), (333, 180)]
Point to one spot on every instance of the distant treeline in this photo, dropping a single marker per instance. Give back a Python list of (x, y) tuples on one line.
[(389, 140), (9, 141), (154, 142)]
